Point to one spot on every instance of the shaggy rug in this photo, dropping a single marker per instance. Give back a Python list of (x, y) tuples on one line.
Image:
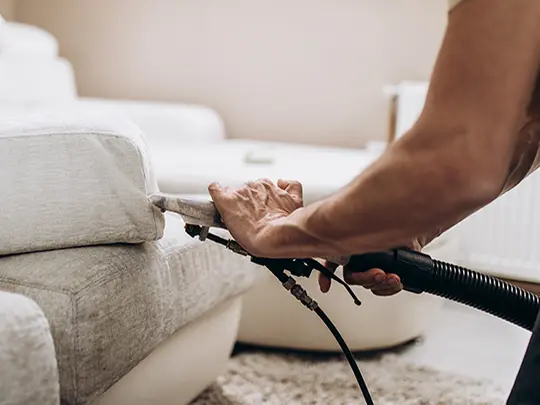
[(269, 378)]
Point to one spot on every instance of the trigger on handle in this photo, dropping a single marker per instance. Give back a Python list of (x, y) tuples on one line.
[(315, 264)]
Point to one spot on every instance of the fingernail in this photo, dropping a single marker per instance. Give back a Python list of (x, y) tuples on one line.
[(379, 278), (392, 281)]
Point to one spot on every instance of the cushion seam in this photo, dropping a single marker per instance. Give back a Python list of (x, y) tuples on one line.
[(41, 134), (74, 343), (10, 280)]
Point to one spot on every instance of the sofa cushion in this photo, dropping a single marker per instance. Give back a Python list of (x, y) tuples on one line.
[(74, 177), (110, 306), (28, 41), (36, 82)]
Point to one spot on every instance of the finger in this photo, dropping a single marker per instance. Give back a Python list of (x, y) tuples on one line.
[(267, 182), (260, 189), (219, 195), (390, 281), (386, 292), (324, 281), (216, 190), (293, 187), (391, 285), (370, 277)]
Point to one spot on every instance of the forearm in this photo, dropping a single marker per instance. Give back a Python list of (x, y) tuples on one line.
[(467, 148), (409, 192)]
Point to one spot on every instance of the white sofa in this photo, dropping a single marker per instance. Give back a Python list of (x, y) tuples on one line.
[(104, 300)]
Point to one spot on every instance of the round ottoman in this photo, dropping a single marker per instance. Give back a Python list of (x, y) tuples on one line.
[(272, 317)]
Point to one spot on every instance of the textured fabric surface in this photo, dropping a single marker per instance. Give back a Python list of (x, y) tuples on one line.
[(74, 177), (273, 379), (110, 306), (28, 371)]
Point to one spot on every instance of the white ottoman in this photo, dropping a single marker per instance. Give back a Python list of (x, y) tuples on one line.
[(271, 317), (189, 168)]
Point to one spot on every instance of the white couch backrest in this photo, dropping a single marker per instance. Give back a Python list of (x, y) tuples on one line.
[(31, 73), (23, 40)]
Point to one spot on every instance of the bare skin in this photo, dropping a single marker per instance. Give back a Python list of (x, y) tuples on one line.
[(478, 137)]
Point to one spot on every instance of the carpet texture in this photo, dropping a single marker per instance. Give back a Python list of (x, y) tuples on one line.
[(269, 378)]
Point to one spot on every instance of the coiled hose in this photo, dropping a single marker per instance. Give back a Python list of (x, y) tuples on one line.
[(420, 273)]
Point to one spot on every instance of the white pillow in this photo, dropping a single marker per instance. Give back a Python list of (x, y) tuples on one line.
[(24, 40), (74, 177), (36, 82)]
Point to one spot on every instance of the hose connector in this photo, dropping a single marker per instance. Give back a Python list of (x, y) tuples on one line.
[(415, 269), (300, 294)]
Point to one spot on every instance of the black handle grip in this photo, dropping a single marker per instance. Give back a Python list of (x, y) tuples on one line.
[(415, 269)]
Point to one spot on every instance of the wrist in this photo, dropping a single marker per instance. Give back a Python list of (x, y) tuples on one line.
[(290, 238)]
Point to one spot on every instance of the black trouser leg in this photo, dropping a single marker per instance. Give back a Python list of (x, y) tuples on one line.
[(526, 389)]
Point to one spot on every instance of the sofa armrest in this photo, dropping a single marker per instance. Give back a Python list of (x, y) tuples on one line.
[(28, 368), (168, 123)]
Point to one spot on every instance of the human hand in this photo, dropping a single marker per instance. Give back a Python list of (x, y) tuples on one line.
[(252, 212), (377, 280)]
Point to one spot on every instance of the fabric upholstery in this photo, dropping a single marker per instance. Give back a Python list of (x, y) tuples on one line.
[(74, 176), (28, 368), (110, 306)]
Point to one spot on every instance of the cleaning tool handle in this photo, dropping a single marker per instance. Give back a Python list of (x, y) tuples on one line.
[(415, 269), (420, 273)]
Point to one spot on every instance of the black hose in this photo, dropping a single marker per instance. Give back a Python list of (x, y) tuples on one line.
[(348, 355), (420, 273), (486, 293)]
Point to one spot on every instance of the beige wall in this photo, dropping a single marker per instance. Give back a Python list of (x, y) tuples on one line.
[(7, 9), (301, 70)]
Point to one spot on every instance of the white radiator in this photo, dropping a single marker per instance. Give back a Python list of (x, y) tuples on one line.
[(501, 239)]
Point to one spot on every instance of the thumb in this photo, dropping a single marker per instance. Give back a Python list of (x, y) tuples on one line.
[(293, 187), (216, 190)]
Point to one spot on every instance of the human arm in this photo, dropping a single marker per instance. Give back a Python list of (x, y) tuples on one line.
[(467, 147), (465, 150)]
